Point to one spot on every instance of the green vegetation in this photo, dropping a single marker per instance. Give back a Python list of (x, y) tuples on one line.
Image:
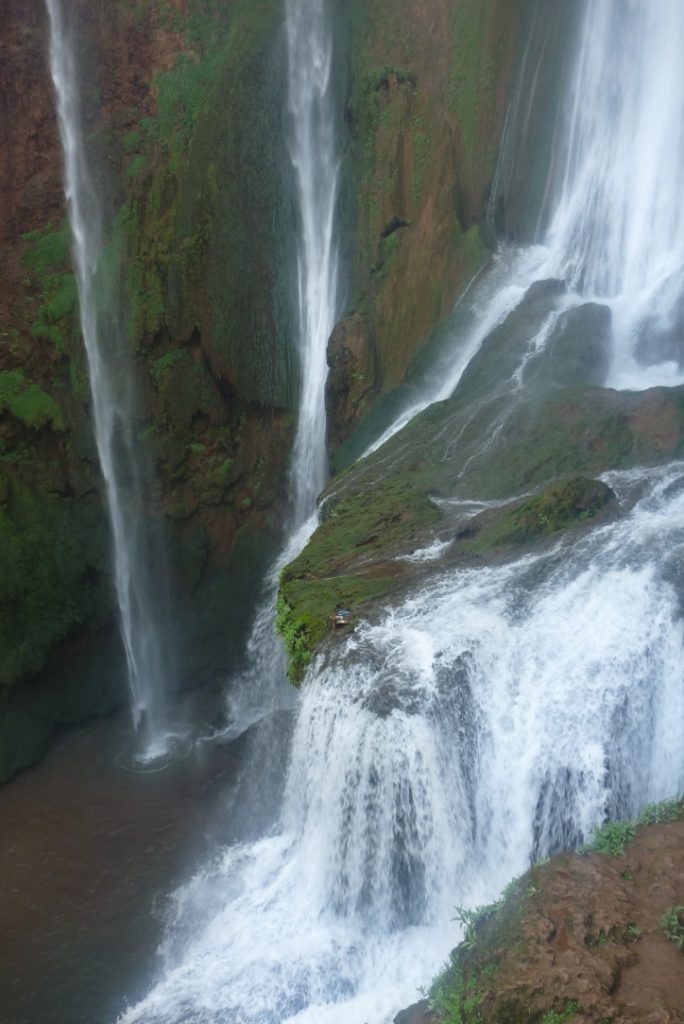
[(615, 836), (47, 259), (465, 981), (27, 402), (163, 363), (672, 924), (666, 811), (555, 1017), (306, 607), (563, 505), (612, 838), (52, 551), (299, 636), (456, 998)]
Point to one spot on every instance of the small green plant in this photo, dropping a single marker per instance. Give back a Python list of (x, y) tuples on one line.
[(296, 634), (455, 998), (663, 812), (612, 838), (553, 1017), (672, 924), (471, 917), (165, 362), (633, 932)]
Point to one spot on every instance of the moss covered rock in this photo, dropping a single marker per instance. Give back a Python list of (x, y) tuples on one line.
[(520, 441), (429, 87)]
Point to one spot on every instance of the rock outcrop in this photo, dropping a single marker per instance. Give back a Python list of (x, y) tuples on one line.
[(594, 936)]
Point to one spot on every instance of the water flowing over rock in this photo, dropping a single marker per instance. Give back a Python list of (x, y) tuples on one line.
[(523, 685), (483, 614)]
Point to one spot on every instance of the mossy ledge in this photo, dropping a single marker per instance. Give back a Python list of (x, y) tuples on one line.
[(536, 476), (569, 939), (354, 559)]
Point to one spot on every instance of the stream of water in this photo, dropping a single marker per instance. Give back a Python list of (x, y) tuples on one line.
[(615, 231), (134, 546), (496, 714)]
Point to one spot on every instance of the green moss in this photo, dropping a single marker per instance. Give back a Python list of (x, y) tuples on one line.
[(52, 550), (137, 165), (47, 257), (564, 504), (614, 837), (317, 583), (164, 363), (48, 248), (208, 222), (27, 402), (560, 1017), (306, 607)]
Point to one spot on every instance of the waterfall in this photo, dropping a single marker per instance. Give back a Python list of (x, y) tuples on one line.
[(312, 149), (615, 217), (315, 163), (618, 228), (110, 386), (494, 715)]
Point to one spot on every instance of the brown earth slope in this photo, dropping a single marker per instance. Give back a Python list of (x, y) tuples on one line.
[(580, 938)]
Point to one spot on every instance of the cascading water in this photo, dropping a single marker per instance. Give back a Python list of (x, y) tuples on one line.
[(495, 715), (490, 719), (618, 228), (148, 669), (615, 219)]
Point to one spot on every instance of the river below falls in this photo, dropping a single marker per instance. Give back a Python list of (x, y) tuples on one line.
[(89, 851)]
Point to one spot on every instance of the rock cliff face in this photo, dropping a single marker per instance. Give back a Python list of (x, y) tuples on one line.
[(195, 204), (429, 89), (186, 127), (546, 435)]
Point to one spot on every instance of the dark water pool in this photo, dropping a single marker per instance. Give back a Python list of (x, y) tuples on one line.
[(88, 852)]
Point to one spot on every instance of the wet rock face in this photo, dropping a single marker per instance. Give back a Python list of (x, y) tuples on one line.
[(427, 96), (219, 441), (419, 1013), (526, 430), (351, 382)]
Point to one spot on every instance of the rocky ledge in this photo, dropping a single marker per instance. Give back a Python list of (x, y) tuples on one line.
[(505, 464), (594, 937)]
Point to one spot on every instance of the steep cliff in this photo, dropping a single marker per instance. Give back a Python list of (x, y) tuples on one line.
[(186, 125), (196, 204), (429, 88)]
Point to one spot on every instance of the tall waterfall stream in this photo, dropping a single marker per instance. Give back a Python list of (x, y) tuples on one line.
[(495, 714), (149, 664)]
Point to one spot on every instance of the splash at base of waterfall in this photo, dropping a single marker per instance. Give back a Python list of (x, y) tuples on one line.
[(493, 718)]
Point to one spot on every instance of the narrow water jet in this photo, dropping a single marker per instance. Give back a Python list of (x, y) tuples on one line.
[(111, 386), (312, 147)]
